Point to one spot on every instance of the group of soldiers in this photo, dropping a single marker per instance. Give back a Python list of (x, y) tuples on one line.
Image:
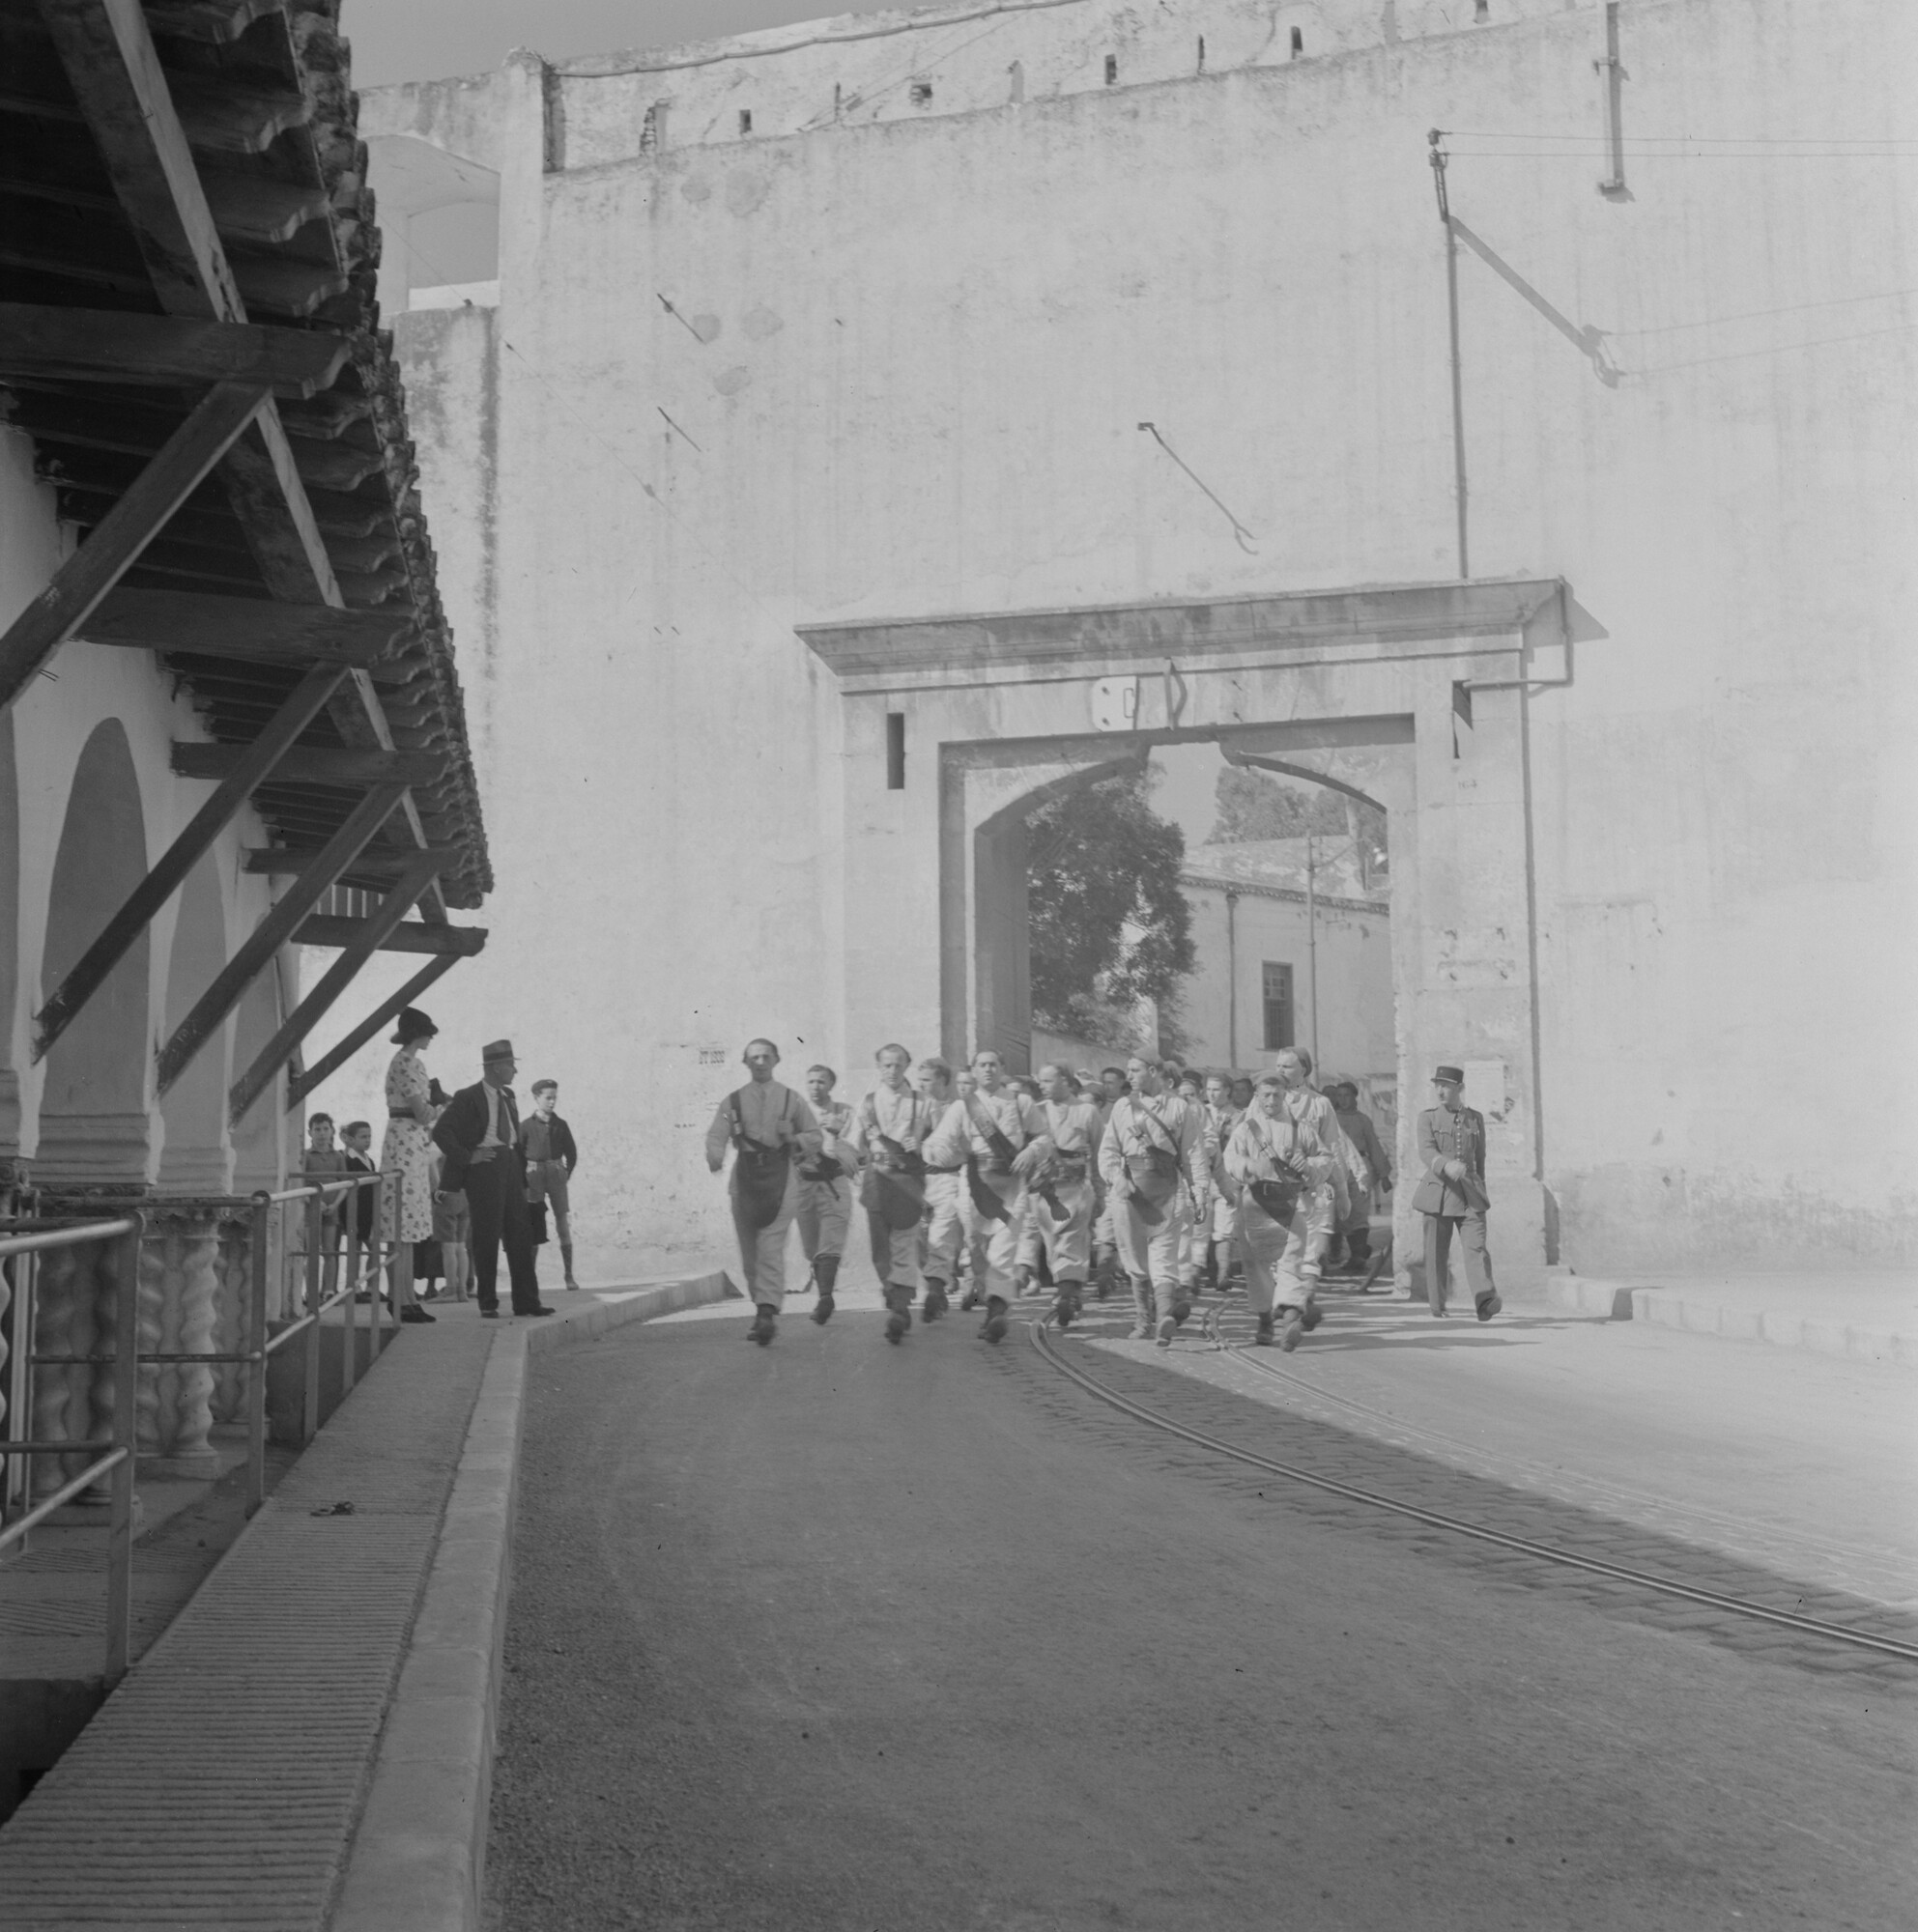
[(1056, 1178)]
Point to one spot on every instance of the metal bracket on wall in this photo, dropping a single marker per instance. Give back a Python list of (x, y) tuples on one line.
[(1612, 73)]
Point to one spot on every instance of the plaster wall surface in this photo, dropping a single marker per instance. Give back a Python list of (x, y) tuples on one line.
[(1355, 970), (902, 374), (51, 724)]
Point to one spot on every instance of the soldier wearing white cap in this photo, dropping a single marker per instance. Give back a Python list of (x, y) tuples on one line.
[(1283, 1161), (1154, 1161), (982, 1134)]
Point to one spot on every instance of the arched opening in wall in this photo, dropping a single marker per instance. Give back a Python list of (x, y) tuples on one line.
[(94, 1125), (1208, 897), (259, 1152), (196, 1156)]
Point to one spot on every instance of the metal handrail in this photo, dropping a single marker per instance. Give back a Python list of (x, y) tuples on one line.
[(120, 1454), (119, 1460)]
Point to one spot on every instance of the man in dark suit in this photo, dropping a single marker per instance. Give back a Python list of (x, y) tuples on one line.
[(479, 1133), (1451, 1194)]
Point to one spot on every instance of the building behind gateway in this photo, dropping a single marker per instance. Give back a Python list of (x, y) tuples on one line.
[(822, 487)]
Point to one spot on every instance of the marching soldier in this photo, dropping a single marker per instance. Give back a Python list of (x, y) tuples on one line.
[(825, 1189), (1324, 1203), (1221, 1209), (1110, 1090), (1451, 1194), (1153, 1151), (893, 1124), (1060, 1195), (983, 1134), (770, 1128), (1282, 1164)]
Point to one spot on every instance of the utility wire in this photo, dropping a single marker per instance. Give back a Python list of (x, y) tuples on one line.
[(1240, 535)]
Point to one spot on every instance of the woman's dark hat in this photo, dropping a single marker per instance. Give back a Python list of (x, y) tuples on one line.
[(412, 1025)]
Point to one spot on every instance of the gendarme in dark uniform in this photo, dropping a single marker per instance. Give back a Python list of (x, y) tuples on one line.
[(1451, 1194)]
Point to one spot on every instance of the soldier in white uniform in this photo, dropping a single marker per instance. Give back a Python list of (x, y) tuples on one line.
[(944, 1232), (1061, 1196), (1153, 1152), (1282, 1158), (826, 1181), (891, 1129), (1220, 1214), (982, 1134), (770, 1128), (1110, 1089)]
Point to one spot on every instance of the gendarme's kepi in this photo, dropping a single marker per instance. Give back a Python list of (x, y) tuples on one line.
[(1455, 1074)]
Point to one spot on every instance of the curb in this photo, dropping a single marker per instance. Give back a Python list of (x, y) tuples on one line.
[(419, 1855), (1697, 1315)]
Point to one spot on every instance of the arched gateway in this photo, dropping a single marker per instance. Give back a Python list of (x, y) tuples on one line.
[(1015, 706)]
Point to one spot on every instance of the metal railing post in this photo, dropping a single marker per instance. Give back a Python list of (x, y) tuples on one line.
[(310, 1410), (126, 1437), (350, 1207), (256, 1369)]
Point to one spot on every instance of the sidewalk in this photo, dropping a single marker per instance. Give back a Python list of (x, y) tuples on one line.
[(1867, 1316), (226, 1781), (1802, 1461)]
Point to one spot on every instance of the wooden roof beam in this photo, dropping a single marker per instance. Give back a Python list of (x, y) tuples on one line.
[(329, 1064), (83, 581), (462, 941), (273, 932), (256, 760), (386, 862), (209, 625), (353, 768), (399, 901), (107, 52)]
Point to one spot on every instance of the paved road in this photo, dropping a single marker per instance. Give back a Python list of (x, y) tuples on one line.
[(840, 1635)]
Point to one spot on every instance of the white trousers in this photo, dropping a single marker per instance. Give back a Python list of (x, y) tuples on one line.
[(1150, 1251), (1282, 1259), (1064, 1240)]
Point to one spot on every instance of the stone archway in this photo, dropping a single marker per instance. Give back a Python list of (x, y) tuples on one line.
[(1006, 703), (197, 1155), (95, 1125)]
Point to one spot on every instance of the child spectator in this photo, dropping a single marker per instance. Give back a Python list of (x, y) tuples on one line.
[(323, 1161)]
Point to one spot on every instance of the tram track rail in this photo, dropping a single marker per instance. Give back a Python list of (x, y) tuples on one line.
[(1040, 1333)]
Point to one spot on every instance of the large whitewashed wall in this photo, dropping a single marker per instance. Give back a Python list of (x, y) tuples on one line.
[(895, 363)]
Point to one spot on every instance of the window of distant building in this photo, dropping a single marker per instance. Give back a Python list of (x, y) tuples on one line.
[(1277, 988)]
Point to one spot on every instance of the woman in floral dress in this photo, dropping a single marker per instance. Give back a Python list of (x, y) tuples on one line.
[(407, 1153)]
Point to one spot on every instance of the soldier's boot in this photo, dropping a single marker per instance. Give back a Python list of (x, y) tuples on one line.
[(1488, 1305), (566, 1261), (825, 1271), (1066, 1304), (1104, 1265), (766, 1324), (973, 1294), (936, 1303), (1262, 1336), (1291, 1326), (996, 1322), (1176, 1309), (898, 1311), (1145, 1309), (1021, 1282), (1310, 1313)]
